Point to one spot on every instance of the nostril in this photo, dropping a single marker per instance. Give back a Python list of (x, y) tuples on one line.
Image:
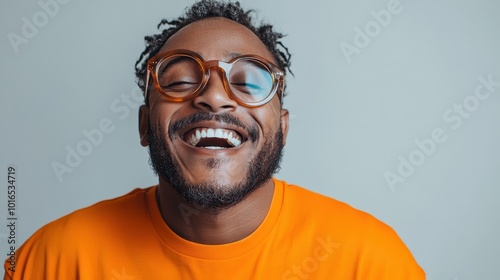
[(214, 98), (205, 105)]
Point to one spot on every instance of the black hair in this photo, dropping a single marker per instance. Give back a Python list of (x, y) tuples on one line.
[(207, 9)]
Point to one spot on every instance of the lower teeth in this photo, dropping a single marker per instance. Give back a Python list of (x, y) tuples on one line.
[(213, 147)]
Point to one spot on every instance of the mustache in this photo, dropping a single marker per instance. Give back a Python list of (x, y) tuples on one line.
[(253, 131)]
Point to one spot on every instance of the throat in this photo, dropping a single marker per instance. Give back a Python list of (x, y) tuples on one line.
[(215, 227)]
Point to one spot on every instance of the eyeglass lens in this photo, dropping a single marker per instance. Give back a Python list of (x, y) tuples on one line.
[(248, 79)]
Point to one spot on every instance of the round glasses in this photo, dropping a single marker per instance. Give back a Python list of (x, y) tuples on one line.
[(181, 75)]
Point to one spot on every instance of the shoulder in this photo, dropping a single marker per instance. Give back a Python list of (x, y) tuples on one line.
[(332, 215), (80, 227), (304, 203), (360, 237), (78, 238), (129, 205)]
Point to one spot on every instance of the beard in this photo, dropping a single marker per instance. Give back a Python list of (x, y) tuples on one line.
[(212, 195)]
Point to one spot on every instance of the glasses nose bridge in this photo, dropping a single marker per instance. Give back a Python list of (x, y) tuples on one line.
[(222, 66)]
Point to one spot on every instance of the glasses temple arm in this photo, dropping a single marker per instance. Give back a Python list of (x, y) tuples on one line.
[(146, 91)]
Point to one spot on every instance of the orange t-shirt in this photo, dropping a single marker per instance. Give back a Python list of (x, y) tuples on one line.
[(304, 236)]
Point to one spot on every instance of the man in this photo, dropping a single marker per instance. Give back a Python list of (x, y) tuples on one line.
[(215, 126)]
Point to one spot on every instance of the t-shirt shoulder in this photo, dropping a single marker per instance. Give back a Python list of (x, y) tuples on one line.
[(77, 238), (85, 221), (331, 214), (360, 236), (306, 203)]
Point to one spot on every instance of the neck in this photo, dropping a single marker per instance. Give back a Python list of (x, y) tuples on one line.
[(208, 226)]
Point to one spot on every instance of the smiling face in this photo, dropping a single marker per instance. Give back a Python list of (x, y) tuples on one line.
[(212, 150)]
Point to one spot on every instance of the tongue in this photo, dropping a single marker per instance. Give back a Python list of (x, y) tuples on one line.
[(213, 142)]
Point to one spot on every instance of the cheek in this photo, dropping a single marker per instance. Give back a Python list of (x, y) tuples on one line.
[(160, 109), (268, 117), (163, 112)]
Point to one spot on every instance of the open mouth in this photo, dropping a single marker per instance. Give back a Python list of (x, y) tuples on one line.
[(213, 138)]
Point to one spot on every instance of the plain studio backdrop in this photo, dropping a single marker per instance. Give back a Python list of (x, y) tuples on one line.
[(394, 110)]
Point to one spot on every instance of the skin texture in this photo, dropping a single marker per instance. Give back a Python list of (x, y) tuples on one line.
[(214, 38)]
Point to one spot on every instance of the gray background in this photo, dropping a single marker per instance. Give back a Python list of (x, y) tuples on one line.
[(350, 122)]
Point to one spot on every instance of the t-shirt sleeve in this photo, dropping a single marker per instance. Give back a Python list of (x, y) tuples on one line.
[(71, 247), (47, 254), (384, 256)]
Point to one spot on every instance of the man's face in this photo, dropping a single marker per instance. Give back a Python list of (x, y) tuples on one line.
[(207, 177)]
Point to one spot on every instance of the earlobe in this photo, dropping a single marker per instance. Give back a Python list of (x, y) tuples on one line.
[(284, 124), (143, 124)]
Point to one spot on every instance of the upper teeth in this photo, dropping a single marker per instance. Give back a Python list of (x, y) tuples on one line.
[(232, 138)]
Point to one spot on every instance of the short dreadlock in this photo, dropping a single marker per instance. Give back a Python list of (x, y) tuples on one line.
[(207, 9)]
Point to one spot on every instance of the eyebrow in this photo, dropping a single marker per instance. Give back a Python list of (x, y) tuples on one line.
[(227, 55), (231, 55), (174, 61)]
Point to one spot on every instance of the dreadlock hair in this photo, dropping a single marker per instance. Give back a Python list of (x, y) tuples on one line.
[(207, 9)]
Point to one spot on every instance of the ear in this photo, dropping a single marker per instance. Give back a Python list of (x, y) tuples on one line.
[(284, 124), (143, 124)]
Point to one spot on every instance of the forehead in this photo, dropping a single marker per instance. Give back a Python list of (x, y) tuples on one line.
[(217, 38)]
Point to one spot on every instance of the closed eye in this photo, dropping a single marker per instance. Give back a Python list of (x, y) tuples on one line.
[(248, 88), (179, 83), (181, 86)]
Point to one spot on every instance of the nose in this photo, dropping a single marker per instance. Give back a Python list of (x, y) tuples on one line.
[(214, 96)]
